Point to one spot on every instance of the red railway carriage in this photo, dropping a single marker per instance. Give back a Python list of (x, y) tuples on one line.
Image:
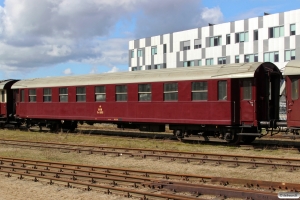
[(292, 78), (221, 100)]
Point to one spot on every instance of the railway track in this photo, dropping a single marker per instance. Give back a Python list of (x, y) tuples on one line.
[(230, 160), (142, 184)]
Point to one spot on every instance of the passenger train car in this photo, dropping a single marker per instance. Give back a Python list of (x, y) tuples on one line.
[(232, 102), (223, 100)]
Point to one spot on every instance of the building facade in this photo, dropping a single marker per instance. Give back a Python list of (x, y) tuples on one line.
[(272, 37)]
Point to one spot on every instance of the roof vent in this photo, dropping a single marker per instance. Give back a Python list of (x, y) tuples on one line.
[(209, 24), (266, 13)]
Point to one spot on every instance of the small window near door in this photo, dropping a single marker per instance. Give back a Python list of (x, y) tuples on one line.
[(247, 90), (295, 89), (222, 90)]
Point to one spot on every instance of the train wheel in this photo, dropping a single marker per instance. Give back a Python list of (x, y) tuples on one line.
[(232, 138), (248, 139)]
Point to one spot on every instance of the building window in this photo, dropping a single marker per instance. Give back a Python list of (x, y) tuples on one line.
[(251, 58), (139, 53), (271, 56), (121, 93), (186, 45), (290, 55), (237, 59), (228, 39), (144, 92), (199, 91), (22, 96), (222, 90), (157, 66), (241, 37), (153, 51), (209, 61), (132, 53), (100, 94), (293, 29), (221, 60), (165, 48), (170, 91), (80, 94), (247, 90), (215, 41), (199, 62), (47, 95), (197, 44), (255, 35), (295, 89), (136, 68), (275, 32), (188, 64), (63, 94), (32, 95)]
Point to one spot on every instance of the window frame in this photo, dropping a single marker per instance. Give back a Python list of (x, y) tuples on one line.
[(154, 50), (294, 88), (186, 45), (139, 53), (221, 60), (46, 96), (215, 41), (221, 95), (121, 93), (200, 91), (148, 94), (22, 95), (100, 93), (273, 31), (227, 38), (63, 95), (292, 32), (255, 35), (292, 54), (197, 44), (255, 58), (168, 92), (132, 53), (271, 56), (81, 94), (211, 61), (30, 96), (238, 37), (237, 59), (247, 89)]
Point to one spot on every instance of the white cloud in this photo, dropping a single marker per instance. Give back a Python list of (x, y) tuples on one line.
[(68, 71), (114, 69), (35, 33)]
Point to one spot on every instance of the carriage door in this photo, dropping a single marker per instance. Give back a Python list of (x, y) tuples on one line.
[(247, 102), (293, 101)]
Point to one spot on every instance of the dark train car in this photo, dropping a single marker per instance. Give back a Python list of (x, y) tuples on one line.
[(222, 100), (292, 78), (7, 97)]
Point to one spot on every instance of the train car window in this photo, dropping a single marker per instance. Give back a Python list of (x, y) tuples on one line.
[(22, 96), (100, 94), (199, 91), (170, 91), (32, 95), (63, 94), (295, 89), (2, 96), (121, 93), (247, 89), (47, 95), (80, 94), (222, 90), (144, 92)]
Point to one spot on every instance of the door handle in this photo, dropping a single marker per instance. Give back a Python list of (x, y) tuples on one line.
[(251, 103)]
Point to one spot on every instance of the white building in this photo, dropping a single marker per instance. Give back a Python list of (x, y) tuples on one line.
[(274, 38)]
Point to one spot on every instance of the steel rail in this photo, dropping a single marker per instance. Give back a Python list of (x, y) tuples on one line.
[(159, 184), (237, 160), (146, 175)]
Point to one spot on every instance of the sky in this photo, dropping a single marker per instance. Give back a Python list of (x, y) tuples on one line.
[(42, 38)]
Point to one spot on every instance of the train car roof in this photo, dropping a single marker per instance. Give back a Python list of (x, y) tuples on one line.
[(4, 82), (237, 70), (292, 68)]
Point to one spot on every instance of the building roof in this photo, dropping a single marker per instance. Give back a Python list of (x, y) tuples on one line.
[(292, 68), (237, 70)]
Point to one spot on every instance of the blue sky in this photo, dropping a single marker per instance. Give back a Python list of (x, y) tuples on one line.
[(40, 38)]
